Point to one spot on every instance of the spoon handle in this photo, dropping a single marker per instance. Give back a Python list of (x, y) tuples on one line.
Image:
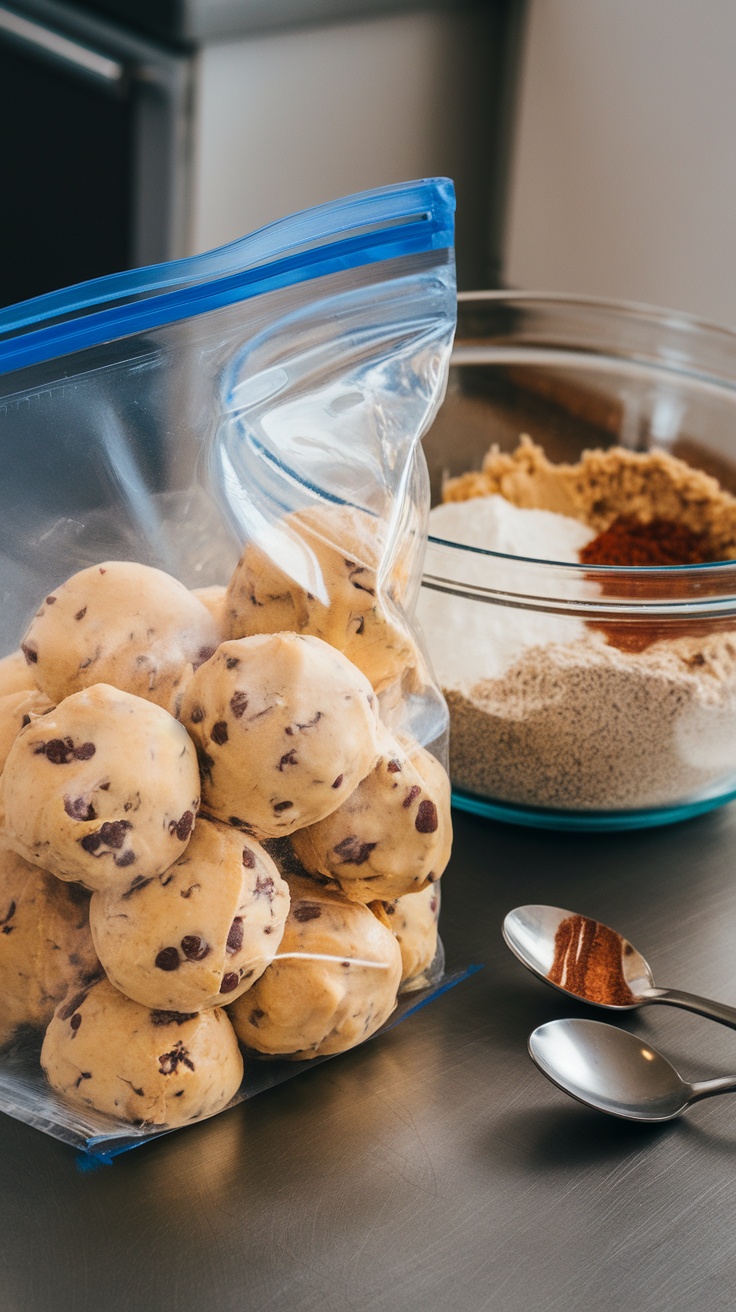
[(709, 1088), (691, 1002)]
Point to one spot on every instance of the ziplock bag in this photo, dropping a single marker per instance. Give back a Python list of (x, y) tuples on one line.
[(253, 412)]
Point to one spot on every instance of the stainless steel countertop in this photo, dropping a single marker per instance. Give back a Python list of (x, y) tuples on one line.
[(433, 1168)]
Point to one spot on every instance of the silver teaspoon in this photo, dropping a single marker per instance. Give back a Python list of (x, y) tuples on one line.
[(587, 960), (615, 1071)]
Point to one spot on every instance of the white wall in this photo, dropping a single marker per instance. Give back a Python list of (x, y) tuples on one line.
[(624, 179), (290, 119)]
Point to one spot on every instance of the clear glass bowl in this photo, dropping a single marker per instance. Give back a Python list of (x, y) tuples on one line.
[(624, 712)]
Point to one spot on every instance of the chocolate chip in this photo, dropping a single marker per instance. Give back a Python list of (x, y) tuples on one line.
[(59, 751), (91, 842), (239, 704), (232, 662), (179, 1056), (229, 982), (168, 959), (79, 808), (171, 1017), (203, 655), (307, 911), (256, 1016), (235, 937), (197, 715), (426, 821), (113, 832), (264, 887), (310, 723), (205, 762), (81, 613), (249, 859), (84, 752), (182, 828), (411, 796), (282, 806), (338, 781), (138, 883), (125, 858), (433, 906), (394, 766), (194, 947), (83, 1075), (76, 1021), (29, 652), (50, 600), (288, 759), (71, 1006), (102, 571), (11, 912), (219, 733), (26, 720), (353, 852)]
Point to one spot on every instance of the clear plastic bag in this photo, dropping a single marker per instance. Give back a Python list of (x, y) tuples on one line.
[(253, 412)]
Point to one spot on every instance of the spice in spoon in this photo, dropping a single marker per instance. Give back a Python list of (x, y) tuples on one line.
[(588, 962)]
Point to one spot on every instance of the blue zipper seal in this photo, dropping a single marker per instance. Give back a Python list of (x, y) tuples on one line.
[(407, 219)]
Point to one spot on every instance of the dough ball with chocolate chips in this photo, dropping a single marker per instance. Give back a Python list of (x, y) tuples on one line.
[(45, 944), (102, 789), (333, 983), (285, 728), (16, 675), (199, 934), (413, 919), (158, 1068), (392, 835), (17, 710), (324, 584), (129, 625)]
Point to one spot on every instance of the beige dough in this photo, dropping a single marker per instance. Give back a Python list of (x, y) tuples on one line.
[(15, 674), (150, 1067), (413, 919), (124, 624), (285, 728), (103, 790), (337, 988), (324, 584), (213, 598), (392, 835), (17, 710), (199, 934), (45, 943)]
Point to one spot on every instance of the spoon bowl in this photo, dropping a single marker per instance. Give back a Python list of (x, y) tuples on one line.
[(616, 1072), (587, 960)]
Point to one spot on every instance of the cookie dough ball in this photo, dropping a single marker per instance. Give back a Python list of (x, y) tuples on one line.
[(214, 599), (199, 934), (45, 944), (413, 919), (101, 790), (16, 711), (333, 983), (155, 1068), (124, 624), (324, 584), (285, 728), (392, 835), (16, 675)]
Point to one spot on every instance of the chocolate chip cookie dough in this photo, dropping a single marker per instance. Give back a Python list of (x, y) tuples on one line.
[(129, 625), (413, 919), (333, 984), (285, 728), (158, 1068), (199, 934), (100, 790), (392, 835), (325, 584), (45, 944)]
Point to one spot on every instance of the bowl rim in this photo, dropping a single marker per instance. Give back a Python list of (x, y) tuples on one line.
[(719, 569)]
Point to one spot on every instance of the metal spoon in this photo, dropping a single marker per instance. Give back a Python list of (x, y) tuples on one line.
[(616, 1072), (589, 961)]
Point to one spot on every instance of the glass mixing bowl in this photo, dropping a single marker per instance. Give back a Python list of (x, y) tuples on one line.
[(616, 707)]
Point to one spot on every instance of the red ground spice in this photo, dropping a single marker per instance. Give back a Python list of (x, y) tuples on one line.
[(632, 544), (588, 961)]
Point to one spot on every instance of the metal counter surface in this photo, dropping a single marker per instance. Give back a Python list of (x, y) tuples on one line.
[(434, 1168)]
